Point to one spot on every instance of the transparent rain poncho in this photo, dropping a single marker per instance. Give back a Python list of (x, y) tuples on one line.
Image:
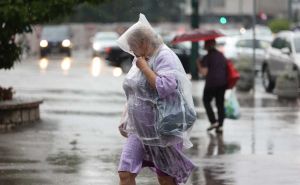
[(143, 102), (161, 123)]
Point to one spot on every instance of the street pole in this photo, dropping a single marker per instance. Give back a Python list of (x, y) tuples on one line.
[(254, 76), (241, 6), (254, 44), (195, 46), (290, 10)]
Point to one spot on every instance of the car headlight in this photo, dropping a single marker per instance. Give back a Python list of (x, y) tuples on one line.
[(96, 46), (44, 43), (66, 43)]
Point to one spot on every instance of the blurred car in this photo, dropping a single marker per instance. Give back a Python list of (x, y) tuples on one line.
[(55, 39), (103, 41), (262, 32), (284, 53), (116, 57), (238, 47)]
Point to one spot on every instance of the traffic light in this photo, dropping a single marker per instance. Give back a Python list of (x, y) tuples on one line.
[(223, 20)]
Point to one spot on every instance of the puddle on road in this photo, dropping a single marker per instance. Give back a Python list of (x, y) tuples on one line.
[(24, 181), (71, 161), (16, 161), (250, 102), (72, 91), (265, 102), (20, 171), (87, 113), (208, 153), (89, 100), (215, 146)]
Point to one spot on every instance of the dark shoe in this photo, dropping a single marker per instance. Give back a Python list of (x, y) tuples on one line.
[(213, 126)]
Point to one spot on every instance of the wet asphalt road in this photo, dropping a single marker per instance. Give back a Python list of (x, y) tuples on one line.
[(77, 140)]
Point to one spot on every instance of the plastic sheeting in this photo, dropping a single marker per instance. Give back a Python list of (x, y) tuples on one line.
[(143, 102)]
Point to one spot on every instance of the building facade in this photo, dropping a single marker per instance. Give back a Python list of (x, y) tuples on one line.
[(276, 8)]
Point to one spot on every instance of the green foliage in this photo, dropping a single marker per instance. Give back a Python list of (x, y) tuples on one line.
[(278, 25), (18, 16)]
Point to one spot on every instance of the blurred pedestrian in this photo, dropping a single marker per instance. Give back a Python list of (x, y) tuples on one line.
[(214, 67), (151, 76)]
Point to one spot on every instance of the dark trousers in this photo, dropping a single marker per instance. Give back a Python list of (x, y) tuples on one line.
[(216, 93)]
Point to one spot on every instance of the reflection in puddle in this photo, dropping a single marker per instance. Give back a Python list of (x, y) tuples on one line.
[(17, 161), (66, 64), (217, 146), (270, 147), (25, 181), (212, 169), (276, 103), (96, 66), (71, 161), (43, 64), (289, 117), (213, 173)]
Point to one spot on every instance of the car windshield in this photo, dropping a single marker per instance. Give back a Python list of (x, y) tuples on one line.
[(263, 31), (55, 33), (297, 45), (265, 44)]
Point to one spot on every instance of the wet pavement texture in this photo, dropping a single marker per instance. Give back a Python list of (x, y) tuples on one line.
[(77, 141)]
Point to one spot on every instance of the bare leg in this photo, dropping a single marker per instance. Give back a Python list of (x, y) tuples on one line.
[(166, 180), (127, 178)]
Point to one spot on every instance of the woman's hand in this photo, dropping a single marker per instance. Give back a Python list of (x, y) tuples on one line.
[(122, 131), (142, 63)]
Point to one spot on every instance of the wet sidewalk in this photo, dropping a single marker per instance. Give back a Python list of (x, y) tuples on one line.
[(77, 141)]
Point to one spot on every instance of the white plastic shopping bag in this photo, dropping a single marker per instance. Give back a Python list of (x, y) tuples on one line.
[(232, 106)]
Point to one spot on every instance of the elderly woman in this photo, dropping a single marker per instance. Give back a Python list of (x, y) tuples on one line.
[(151, 76)]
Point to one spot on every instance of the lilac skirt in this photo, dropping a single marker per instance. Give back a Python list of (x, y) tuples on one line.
[(135, 156)]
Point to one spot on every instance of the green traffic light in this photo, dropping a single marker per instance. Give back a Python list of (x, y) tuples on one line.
[(223, 20)]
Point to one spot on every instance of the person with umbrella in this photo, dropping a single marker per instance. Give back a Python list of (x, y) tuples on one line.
[(214, 67)]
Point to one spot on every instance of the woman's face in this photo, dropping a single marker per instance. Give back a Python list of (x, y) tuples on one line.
[(139, 50)]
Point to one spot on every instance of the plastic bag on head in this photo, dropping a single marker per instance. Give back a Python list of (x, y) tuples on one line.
[(141, 24)]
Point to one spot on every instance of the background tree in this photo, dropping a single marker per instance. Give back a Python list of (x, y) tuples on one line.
[(278, 25)]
